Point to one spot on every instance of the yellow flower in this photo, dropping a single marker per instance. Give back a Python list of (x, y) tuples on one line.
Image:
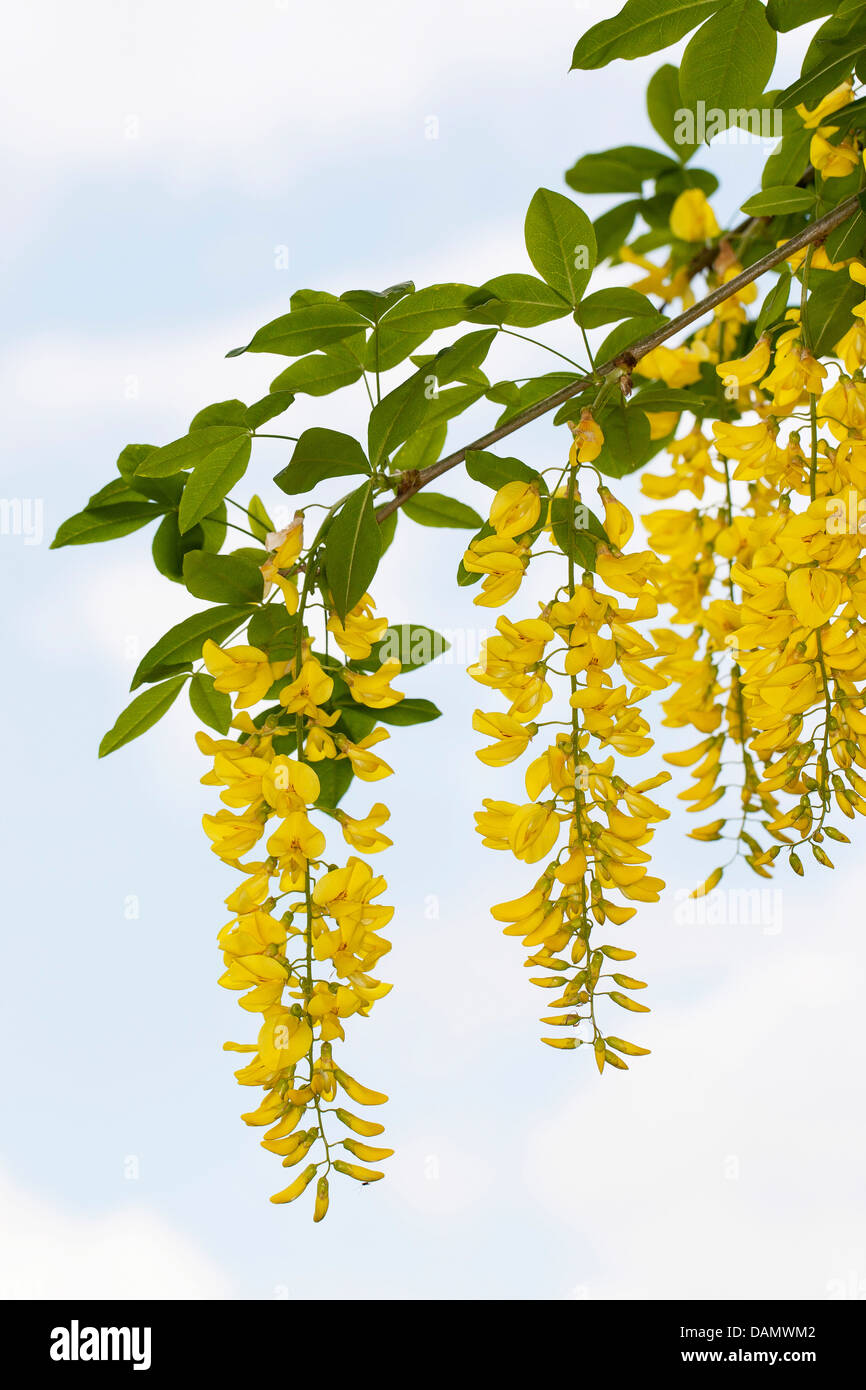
[(851, 348), (858, 274), (311, 689), (512, 737), (814, 595), (366, 764), (618, 520), (231, 835), (832, 161), (833, 101), (843, 408), (515, 509), (361, 630), (662, 422), (588, 440), (245, 670), (750, 368), (374, 690), (532, 832), (365, 835), (659, 279), (289, 785), (283, 1039), (692, 218), (501, 560), (295, 842), (674, 366), (285, 546)]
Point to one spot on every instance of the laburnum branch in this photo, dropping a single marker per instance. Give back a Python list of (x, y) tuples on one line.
[(625, 361), (706, 256)]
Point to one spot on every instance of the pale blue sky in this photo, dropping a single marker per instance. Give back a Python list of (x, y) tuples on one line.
[(160, 155)]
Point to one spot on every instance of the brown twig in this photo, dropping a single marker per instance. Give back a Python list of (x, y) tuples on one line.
[(704, 258), (626, 360)]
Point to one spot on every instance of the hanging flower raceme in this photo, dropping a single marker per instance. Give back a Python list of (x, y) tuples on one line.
[(305, 938), (584, 824)]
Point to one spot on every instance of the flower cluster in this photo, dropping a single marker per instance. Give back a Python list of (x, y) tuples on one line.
[(767, 575), (305, 936), (584, 824)]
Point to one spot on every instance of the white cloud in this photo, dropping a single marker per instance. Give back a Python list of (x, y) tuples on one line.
[(726, 1164), (249, 94), (49, 1252), (432, 1174)]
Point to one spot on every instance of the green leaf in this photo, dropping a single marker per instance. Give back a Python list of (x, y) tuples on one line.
[(435, 509), (790, 14), (118, 490), (169, 547), (213, 529), (854, 114), (621, 170), (831, 57), (465, 576), (374, 303), (213, 479), (452, 363), (404, 327), (352, 549), (641, 27), (663, 398), (213, 707), (129, 458), (522, 301), (183, 642), (105, 523), (728, 62), (790, 158), (627, 441), (828, 310), (663, 101), (258, 520), (222, 578), (268, 408), (387, 529), (535, 389), (561, 243), (773, 201), (141, 714), (847, 240), (626, 335), (577, 536), (612, 228), (187, 452), (677, 180), (335, 778), (416, 403), (420, 450), (409, 712), (307, 328), (495, 472), (412, 645), (232, 413), (319, 374), (775, 303), (320, 454), (274, 630), (656, 212), (606, 306)]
